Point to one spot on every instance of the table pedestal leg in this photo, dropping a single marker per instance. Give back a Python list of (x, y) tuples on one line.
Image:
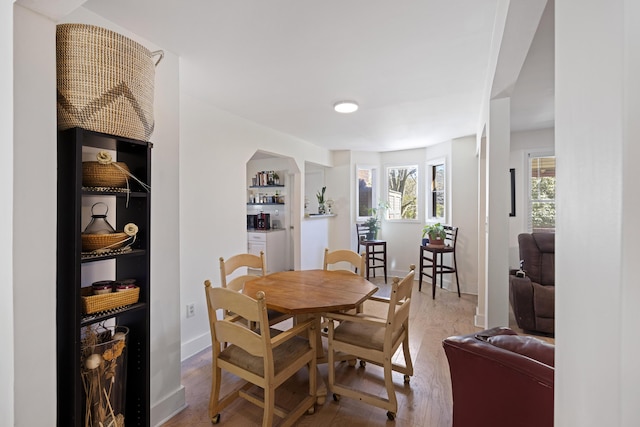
[(321, 388)]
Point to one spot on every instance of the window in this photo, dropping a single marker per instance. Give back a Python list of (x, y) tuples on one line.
[(437, 196), (542, 193), (402, 192), (365, 192)]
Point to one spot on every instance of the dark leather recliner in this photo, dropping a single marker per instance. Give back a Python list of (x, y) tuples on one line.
[(501, 379), (533, 297)]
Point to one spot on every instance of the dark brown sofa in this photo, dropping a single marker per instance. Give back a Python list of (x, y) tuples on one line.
[(501, 379), (533, 297)]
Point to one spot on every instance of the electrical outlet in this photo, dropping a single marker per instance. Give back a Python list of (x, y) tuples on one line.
[(191, 310)]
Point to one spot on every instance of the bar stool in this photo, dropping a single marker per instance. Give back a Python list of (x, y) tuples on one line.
[(375, 251), (432, 260)]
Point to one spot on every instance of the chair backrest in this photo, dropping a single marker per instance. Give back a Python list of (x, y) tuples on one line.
[(537, 251), (399, 304), (452, 235), (255, 262), (362, 232), (229, 330), (342, 256)]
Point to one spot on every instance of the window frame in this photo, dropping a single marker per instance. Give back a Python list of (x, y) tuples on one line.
[(529, 201), (430, 215), (417, 192), (374, 189)]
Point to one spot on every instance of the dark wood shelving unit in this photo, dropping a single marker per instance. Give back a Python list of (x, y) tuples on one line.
[(133, 207)]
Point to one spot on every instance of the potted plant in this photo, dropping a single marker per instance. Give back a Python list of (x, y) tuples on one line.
[(374, 225), (321, 205), (436, 233), (373, 222)]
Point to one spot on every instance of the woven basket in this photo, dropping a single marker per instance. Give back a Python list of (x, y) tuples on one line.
[(95, 174), (93, 242), (105, 82), (95, 303)]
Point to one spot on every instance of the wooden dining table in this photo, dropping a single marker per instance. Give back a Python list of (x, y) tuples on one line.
[(309, 293)]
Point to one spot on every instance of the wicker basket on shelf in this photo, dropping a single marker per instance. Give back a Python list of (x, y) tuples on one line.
[(93, 242), (105, 82), (95, 174), (96, 303)]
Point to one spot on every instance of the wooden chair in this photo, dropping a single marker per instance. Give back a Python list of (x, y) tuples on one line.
[(256, 266), (341, 256), (432, 260), (263, 357), (375, 251), (375, 340)]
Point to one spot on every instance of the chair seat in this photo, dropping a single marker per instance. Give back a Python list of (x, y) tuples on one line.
[(364, 335), (284, 355)]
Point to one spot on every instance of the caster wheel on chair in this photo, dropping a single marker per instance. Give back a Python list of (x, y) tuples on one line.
[(352, 362), (336, 397), (363, 363), (391, 415), (215, 419), (407, 378)]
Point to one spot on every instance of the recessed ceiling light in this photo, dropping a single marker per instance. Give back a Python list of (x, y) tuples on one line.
[(346, 106)]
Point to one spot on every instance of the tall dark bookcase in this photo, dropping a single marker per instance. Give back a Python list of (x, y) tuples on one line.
[(134, 207)]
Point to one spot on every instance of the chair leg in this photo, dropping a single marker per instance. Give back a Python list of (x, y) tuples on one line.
[(214, 398), (441, 269), (269, 406), (421, 267), (455, 268), (407, 355), (388, 383), (433, 275), (385, 264)]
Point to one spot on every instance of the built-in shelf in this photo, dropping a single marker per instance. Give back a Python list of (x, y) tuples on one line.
[(267, 186), (258, 204), (320, 215)]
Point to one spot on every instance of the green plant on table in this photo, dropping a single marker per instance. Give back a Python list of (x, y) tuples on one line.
[(373, 222), (434, 231)]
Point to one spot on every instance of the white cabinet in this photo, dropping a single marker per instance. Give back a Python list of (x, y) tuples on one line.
[(273, 244)]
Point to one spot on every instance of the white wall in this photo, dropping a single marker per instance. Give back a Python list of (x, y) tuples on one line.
[(497, 214), (6, 215), (214, 150), (341, 189), (34, 217), (464, 207), (597, 133)]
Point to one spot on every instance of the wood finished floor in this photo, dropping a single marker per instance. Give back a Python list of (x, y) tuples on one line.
[(425, 401)]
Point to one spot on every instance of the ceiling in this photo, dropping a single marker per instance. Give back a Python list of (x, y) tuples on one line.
[(418, 69)]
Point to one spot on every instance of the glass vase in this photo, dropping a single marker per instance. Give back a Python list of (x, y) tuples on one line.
[(322, 208), (104, 375)]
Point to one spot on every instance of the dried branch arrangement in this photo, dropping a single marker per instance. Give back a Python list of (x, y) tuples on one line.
[(103, 367)]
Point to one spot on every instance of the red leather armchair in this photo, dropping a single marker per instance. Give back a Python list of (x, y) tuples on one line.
[(501, 379)]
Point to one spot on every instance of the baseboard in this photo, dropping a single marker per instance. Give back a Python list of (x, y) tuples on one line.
[(194, 346), (479, 321), (168, 407)]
